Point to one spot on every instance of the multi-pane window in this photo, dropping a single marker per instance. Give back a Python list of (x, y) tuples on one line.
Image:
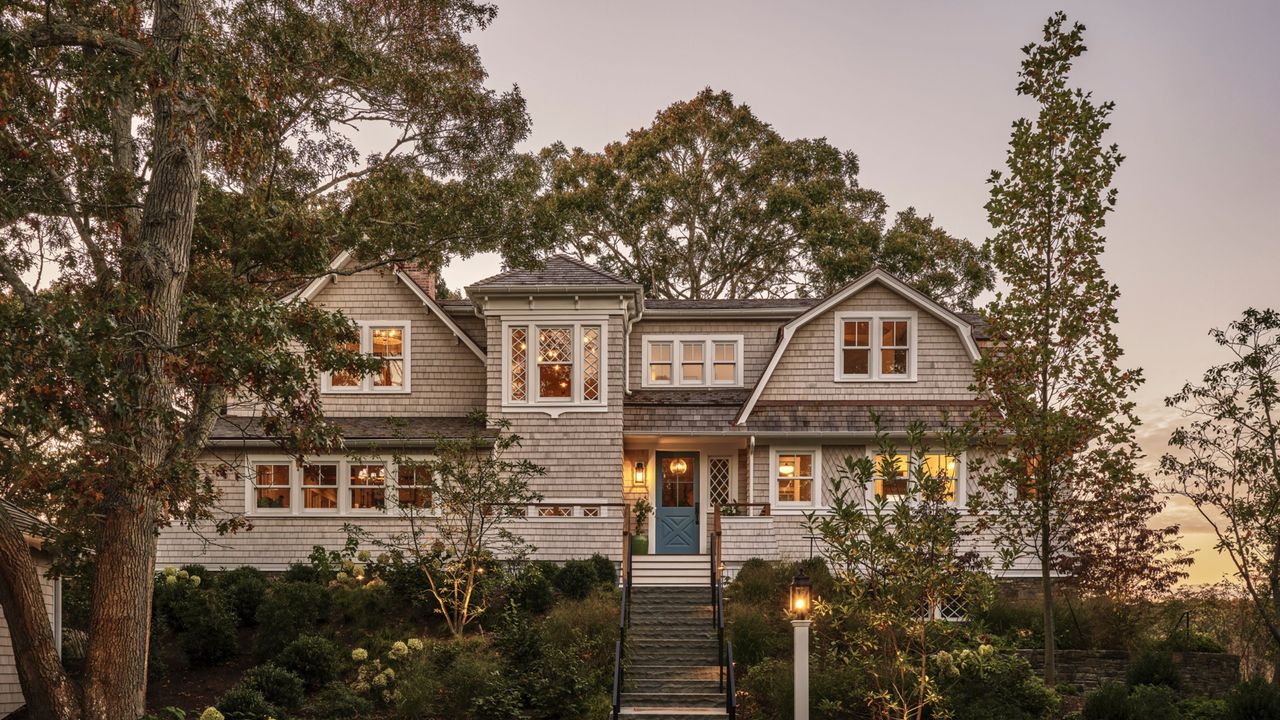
[(660, 363), (891, 476), (794, 477), (413, 486), (692, 363), (720, 475), (693, 360), (874, 347), (389, 343), (271, 486), (895, 347), (320, 486), (856, 348), (367, 486), (560, 363), (725, 365)]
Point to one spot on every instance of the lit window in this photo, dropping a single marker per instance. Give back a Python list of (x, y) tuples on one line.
[(559, 364), (692, 363), (320, 487), (726, 363), (555, 363), (894, 347), (896, 483), (856, 348), (385, 341), (271, 487), (941, 465), (795, 477), (660, 363), (693, 360), (368, 487), (413, 488), (388, 344)]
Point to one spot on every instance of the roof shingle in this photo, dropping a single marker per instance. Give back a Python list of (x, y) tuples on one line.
[(230, 429), (557, 270)]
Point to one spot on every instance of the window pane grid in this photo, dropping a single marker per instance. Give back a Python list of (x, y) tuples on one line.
[(718, 471), (591, 363), (271, 487), (519, 363), (795, 477), (692, 362), (414, 486), (555, 363), (660, 363), (856, 347), (367, 487), (726, 362), (895, 486), (894, 347), (320, 487)]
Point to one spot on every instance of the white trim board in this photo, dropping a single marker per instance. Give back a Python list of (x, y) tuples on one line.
[(877, 275)]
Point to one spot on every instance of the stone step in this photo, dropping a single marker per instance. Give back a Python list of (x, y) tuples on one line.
[(673, 684), (673, 713), (673, 700), (691, 671), (676, 656), (658, 633)]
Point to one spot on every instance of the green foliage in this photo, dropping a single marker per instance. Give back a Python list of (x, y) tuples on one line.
[(531, 591), (199, 620), (1109, 702), (362, 607), (1153, 702), (605, 569), (837, 691), (313, 658), (641, 512), (289, 610), (748, 203), (243, 590), (457, 680), (1254, 699), (301, 572), (280, 687), (1203, 708), (757, 633), (989, 684), (759, 582), (577, 579), (562, 665), (1191, 641), (1154, 667), (243, 703), (338, 702)]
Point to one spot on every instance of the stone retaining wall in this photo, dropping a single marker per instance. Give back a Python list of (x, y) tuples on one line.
[(1202, 673)]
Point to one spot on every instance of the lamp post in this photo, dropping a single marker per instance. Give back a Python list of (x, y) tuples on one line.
[(801, 602)]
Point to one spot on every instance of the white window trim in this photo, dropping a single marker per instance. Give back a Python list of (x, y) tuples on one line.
[(874, 375), (393, 489), (962, 474), (677, 360), (391, 484), (366, 386), (785, 505), (733, 475), (555, 407)]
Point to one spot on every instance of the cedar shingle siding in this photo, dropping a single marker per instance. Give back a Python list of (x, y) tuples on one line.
[(590, 454)]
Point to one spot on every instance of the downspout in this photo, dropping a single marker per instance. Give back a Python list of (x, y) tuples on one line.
[(627, 322), (751, 470)]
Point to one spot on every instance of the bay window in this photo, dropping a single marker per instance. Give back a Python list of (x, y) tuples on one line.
[(875, 347), (555, 363)]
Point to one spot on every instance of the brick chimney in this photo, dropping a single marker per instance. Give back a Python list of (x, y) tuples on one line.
[(423, 277)]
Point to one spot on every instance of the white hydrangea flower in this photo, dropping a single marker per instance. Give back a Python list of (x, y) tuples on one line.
[(170, 580), (211, 713), (171, 570), (414, 644), (195, 580), (359, 654), (398, 650)]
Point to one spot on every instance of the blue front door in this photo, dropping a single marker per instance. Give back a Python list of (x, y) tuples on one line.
[(677, 507)]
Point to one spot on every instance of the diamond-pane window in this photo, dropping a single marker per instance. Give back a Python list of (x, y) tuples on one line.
[(718, 468), (591, 363), (519, 364)]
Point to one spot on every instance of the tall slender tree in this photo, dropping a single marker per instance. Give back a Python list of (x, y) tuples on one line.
[(1053, 378), (181, 165)]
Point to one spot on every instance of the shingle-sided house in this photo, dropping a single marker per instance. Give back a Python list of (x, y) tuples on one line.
[(746, 405)]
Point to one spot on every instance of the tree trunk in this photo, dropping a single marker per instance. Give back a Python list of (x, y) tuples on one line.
[(1046, 586), (50, 694)]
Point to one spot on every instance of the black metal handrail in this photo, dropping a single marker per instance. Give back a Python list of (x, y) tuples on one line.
[(724, 650), (624, 621)]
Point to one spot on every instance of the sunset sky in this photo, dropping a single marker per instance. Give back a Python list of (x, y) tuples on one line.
[(923, 92)]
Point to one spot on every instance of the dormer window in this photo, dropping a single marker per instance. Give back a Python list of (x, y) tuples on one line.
[(873, 347), (692, 360), (550, 364), (387, 340)]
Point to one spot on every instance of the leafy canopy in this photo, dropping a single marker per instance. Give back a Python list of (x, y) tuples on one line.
[(710, 201)]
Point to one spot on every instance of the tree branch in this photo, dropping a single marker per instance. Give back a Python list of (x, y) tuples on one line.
[(59, 34)]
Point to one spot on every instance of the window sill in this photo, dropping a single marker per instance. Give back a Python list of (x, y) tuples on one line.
[(876, 379), (395, 391)]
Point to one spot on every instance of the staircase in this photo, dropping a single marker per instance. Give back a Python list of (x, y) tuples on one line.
[(673, 571), (672, 653)]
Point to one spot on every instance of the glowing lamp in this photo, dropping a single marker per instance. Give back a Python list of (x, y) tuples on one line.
[(637, 476), (679, 466), (786, 468), (801, 596)]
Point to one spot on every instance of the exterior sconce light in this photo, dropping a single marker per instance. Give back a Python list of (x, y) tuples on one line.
[(801, 601), (638, 476)]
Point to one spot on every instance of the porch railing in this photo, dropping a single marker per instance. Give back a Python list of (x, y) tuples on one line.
[(724, 647)]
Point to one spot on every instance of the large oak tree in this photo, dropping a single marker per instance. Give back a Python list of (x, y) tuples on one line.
[(710, 201), (168, 169)]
